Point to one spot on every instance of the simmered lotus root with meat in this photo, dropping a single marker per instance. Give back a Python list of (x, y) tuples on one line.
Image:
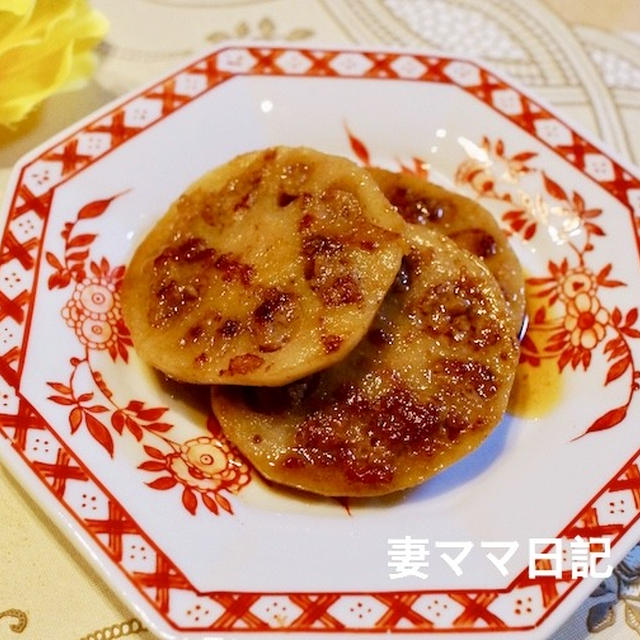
[(265, 270), (426, 385), (467, 223)]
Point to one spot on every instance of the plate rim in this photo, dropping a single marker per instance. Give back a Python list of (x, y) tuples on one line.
[(230, 43)]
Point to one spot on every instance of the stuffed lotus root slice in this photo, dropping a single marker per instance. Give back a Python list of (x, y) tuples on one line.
[(426, 385), (467, 223), (265, 270)]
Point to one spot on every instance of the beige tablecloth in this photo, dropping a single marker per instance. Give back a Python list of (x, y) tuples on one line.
[(583, 56)]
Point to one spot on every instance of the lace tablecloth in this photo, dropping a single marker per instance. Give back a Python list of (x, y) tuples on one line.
[(580, 55)]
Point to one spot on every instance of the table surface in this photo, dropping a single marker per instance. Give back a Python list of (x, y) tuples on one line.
[(583, 56)]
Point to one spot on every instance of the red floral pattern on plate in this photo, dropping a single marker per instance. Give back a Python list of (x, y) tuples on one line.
[(570, 320), (203, 466), (569, 294)]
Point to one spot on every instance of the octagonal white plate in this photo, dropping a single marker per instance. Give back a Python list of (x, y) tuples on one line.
[(144, 483)]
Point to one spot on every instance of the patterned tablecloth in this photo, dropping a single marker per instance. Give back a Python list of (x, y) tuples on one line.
[(580, 55)]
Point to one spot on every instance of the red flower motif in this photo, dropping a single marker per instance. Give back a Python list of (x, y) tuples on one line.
[(488, 166), (565, 284), (586, 320), (577, 281), (204, 466), (93, 312), (208, 464)]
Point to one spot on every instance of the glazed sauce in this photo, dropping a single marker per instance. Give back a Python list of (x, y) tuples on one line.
[(536, 390)]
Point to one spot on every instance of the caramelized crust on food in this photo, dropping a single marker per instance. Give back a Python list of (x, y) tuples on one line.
[(467, 223), (427, 384), (267, 269)]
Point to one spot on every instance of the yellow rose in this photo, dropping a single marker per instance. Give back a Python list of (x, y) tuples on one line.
[(45, 45)]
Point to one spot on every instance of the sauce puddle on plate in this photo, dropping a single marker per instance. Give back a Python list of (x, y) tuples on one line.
[(536, 389)]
